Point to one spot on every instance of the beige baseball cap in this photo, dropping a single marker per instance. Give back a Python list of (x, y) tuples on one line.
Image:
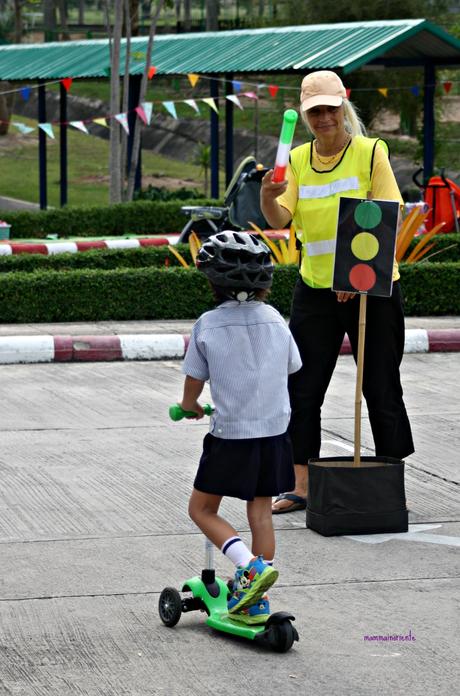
[(323, 87)]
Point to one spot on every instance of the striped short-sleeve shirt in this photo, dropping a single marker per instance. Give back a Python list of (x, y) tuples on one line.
[(246, 351)]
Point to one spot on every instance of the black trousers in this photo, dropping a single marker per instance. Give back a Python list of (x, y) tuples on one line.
[(318, 323)]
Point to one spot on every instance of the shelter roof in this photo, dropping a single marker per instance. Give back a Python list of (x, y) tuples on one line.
[(345, 46)]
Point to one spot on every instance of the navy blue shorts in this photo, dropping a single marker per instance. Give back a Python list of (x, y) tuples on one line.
[(246, 469)]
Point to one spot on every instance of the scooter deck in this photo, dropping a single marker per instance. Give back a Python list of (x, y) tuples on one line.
[(214, 597)]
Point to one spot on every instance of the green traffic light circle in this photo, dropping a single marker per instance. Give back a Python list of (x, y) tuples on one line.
[(367, 215), (365, 246)]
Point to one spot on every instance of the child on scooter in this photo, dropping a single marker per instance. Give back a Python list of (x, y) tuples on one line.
[(246, 351)]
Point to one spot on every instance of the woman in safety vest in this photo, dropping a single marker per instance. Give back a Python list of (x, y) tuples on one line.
[(340, 161)]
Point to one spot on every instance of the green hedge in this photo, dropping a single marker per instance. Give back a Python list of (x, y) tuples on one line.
[(139, 217), (110, 259), (179, 293), (447, 247)]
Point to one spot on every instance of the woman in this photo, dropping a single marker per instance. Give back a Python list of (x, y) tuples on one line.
[(340, 161)]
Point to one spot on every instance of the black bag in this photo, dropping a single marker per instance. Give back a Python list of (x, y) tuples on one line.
[(346, 499)]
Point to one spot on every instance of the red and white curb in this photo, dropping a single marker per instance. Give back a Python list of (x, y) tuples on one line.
[(39, 349), (50, 248)]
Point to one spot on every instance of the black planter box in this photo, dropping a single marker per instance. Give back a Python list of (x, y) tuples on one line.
[(367, 499)]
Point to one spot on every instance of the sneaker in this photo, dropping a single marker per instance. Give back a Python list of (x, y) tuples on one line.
[(257, 613), (250, 584)]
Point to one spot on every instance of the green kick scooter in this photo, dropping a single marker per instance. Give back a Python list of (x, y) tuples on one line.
[(209, 593)]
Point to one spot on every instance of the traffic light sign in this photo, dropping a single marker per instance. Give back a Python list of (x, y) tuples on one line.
[(365, 248)]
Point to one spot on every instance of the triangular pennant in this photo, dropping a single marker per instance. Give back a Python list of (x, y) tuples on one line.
[(25, 93), (151, 72), (22, 128), (210, 102), (47, 128), (193, 104), (384, 91), (273, 90), (348, 92), (415, 90), (236, 85), (79, 125), (67, 81), (170, 107), (147, 106), (233, 98), (193, 78), (447, 85), (141, 113), (101, 121), (123, 119), (251, 95)]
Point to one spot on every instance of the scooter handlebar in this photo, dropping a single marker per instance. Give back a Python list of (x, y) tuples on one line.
[(176, 412)]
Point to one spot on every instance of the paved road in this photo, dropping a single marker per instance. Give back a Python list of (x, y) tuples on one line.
[(93, 524)]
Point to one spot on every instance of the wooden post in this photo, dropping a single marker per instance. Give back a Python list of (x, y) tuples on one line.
[(359, 378)]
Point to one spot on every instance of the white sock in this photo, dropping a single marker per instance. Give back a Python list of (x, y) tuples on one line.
[(237, 551), (270, 563)]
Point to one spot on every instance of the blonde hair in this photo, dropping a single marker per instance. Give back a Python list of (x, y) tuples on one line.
[(353, 123)]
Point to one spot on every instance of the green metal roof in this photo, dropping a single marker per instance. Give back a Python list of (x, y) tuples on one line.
[(345, 47)]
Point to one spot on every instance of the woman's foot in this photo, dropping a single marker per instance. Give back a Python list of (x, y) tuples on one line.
[(288, 502)]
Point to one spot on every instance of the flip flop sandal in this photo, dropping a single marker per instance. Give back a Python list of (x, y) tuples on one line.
[(298, 503)]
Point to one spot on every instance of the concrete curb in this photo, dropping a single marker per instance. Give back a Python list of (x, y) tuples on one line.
[(39, 349)]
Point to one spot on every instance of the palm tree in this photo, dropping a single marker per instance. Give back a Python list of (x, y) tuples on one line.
[(203, 159)]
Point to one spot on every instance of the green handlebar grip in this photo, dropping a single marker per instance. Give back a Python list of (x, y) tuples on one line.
[(176, 412)]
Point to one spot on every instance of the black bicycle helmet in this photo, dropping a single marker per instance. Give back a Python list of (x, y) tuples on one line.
[(236, 260)]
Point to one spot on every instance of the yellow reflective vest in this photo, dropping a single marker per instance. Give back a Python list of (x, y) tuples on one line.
[(316, 213)]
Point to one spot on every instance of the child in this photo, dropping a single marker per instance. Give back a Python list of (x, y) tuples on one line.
[(245, 350)]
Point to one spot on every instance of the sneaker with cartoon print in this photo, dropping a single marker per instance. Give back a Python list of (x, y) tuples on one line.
[(257, 613), (250, 584)]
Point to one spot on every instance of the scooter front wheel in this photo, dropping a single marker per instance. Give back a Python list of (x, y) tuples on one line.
[(282, 636), (170, 606)]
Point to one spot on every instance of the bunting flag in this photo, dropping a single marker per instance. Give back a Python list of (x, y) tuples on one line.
[(47, 128), (123, 120), (193, 104), (193, 78), (250, 95), (236, 85), (67, 81), (348, 92), (415, 90), (383, 90), (210, 102), (233, 98), (22, 128), (170, 107), (79, 125), (273, 90), (25, 93), (101, 122), (141, 113), (447, 85), (147, 107), (151, 72)]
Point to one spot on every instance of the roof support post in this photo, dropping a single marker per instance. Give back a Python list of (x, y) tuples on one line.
[(228, 129), (133, 101), (428, 119), (214, 142), (42, 144), (63, 143)]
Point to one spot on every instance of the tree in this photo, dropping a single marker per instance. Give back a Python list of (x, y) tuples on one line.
[(203, 159), (212, 15)]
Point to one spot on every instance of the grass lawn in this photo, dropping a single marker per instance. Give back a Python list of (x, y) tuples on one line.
[(88, 161)]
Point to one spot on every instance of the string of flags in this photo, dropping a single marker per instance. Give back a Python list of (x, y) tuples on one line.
[(145, 109)]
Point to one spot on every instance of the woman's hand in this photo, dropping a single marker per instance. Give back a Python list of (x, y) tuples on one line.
[(276, 216), (270, 190), (345, 296)]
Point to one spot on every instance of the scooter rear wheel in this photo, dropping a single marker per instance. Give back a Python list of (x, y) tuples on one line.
[(282, 636), (170, 606)]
